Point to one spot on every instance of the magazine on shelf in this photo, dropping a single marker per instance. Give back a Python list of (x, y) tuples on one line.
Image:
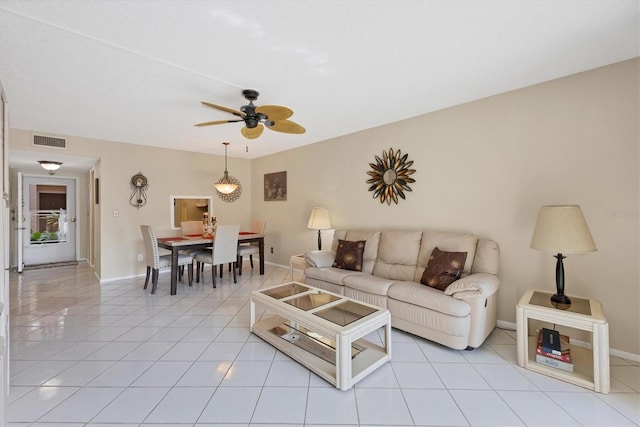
[(565, 355), (554, 363)]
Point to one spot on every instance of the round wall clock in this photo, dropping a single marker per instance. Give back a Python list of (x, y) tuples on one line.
[(139, 185), (390, 176)]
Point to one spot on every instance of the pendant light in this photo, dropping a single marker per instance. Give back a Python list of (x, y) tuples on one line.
[(225, 185)]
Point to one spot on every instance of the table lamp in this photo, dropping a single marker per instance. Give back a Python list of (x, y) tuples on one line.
[(562, 229), (319, 220)]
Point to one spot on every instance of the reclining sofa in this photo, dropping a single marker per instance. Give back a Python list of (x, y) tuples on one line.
[(392, 265)]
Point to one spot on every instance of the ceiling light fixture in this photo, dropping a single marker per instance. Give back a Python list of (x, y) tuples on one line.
[(50, 166), (225, 185)]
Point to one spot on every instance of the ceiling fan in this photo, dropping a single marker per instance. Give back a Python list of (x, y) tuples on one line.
[(274, 117)]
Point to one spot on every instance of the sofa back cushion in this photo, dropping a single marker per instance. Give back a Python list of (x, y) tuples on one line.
[(372, 238), (398, 254), (445, 241), (487, 258)]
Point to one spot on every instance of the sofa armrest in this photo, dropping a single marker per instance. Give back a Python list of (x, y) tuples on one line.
[(320, 258), (475, 284)]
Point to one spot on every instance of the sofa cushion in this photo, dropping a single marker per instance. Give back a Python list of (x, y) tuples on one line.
[(451, 331), (446, 241), (427, 297), (319, 258), (398, 254), (372, 237), (368, 283), (349, 255), (487, 257), (331, 275), (443, 269)]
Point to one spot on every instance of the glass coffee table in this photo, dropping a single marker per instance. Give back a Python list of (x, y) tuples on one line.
[(322, 331)]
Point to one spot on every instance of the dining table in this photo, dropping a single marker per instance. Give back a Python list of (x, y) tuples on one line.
[(197, 241)]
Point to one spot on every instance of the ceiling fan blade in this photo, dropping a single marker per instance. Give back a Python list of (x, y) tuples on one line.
[(217, 122), (287, 126), (223, 108), (252, 133), (275, 112)]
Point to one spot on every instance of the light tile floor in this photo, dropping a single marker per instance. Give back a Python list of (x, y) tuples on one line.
[(85, 354)]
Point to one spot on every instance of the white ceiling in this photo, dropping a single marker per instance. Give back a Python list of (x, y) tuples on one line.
[(136, 71)]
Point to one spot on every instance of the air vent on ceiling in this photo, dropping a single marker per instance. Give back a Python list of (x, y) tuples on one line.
[(49, 141)]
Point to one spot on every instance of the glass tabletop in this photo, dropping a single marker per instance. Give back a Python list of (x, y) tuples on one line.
[(346, 312), (578, 305), (312, 300), (284, 291)]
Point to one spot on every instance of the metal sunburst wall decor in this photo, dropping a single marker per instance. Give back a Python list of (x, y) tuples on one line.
[(390, 176)]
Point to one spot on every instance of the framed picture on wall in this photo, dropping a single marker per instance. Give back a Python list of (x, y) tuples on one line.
[(275, 186)]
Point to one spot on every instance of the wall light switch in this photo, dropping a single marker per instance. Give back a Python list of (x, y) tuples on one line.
[(116, 212)]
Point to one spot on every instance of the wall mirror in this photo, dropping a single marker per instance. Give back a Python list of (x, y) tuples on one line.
[(188, 208)]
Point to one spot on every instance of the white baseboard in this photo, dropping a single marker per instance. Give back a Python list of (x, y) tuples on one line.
[(277, 265), (103, 281), (511, 326)]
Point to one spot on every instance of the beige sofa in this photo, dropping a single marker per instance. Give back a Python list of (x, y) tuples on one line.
[(460, 317)]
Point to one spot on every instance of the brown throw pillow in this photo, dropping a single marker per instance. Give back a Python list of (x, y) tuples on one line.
[(349, 255), (443, 268)]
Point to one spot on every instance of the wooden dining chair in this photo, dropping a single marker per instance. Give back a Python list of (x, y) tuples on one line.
[(155, 261), (252, 248), (225, 250)]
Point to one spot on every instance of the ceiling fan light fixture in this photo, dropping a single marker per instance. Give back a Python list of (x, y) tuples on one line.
[(275, 117), (50, 166), (225, 185)]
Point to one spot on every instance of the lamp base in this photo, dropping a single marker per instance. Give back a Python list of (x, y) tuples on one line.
[(561, 299)]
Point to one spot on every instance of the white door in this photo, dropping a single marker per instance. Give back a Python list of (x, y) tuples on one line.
[(49, 231)]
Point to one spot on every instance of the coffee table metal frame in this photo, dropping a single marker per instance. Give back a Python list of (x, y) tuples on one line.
[(347, 370)]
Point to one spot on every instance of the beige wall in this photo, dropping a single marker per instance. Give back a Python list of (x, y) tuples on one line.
[(168, 172), (483, 167), (486, 167)]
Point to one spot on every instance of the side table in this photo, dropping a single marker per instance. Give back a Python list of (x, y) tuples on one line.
[(297, 262), (591, 366)]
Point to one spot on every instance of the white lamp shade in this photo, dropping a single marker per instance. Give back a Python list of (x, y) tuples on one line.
[(562, 229), (319, 219), (226, 187)]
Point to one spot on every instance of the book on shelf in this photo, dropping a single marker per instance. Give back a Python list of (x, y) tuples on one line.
[(554, 342), (554, 363), (563, 355)]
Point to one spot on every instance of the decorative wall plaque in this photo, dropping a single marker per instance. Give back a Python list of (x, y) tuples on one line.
[(275, 186)]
